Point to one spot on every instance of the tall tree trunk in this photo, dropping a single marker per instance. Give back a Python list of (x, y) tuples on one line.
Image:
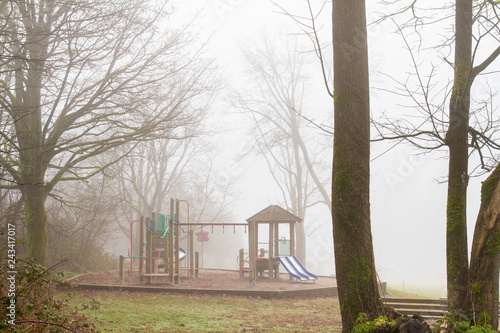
[(301, 204), (354, 258), (457, 141), (31, 140), (36, 217), (32, 172), (485, 254)]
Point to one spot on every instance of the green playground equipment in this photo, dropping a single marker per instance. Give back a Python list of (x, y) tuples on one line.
[(160, 225), (159, 244)]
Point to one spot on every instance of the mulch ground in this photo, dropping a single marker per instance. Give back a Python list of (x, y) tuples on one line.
[(208, 279)]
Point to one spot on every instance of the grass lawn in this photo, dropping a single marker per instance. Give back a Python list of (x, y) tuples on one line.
[(148, 312)]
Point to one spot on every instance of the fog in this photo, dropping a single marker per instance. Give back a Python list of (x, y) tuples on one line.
[(408, 188)]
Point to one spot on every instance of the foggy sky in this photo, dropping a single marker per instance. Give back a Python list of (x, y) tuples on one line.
[(408, 189)]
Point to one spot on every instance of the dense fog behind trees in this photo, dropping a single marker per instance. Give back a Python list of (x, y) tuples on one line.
[(84, 83)]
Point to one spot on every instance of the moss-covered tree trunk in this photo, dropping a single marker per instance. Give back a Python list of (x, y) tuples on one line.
[(485, 254), (457, 141), (36, 218), (28, 122), (354, 258)]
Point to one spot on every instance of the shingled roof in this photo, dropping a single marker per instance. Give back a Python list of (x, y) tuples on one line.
[(274, 213)]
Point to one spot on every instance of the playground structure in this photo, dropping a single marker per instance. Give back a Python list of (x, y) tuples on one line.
[(159, 239), (269, 260), (159, 244), (160, 253)]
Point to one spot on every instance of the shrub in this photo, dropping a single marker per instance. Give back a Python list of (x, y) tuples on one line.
[(453, 322), (379, 324), (460, 321), (34, 307)]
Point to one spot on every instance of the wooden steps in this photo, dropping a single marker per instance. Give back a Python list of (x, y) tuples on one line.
[(429, 308)]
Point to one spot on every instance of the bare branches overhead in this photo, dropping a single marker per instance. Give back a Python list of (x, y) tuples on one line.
[(425, 121), (111, 75), (80, 79)]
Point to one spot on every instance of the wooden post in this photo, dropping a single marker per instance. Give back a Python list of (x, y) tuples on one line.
[(120, 269), (256, 238), (165, 252), (252, 245), (196, 264), (171, 243), (191, 253), (292, 240), (241, 262), (271, 251), (153, 235), (276, 238), (177, 236), (257, 250), (277, 246), (149, 251), (141, 249), (165, 249)]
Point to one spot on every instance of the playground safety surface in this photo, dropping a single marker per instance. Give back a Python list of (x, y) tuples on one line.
[(210, 281)]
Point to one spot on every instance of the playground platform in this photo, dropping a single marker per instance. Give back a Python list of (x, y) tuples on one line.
[(211, 282)]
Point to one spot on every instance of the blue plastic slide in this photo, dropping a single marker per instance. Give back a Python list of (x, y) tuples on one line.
[(295, 268)]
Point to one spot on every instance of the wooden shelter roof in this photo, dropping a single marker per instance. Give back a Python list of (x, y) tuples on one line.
[(274, 213)]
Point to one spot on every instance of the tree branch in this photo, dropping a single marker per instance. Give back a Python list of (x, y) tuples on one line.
[(481, 67)]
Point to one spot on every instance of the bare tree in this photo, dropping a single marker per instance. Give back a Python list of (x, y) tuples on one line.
[(157, 171), (146, 176), (353, 245), (351, 217), (82, 78), (81, 228), (281, 132), (468, 127), (211, 194)]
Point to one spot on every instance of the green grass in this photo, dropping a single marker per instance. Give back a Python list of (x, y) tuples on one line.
[(163, 312), (417, 292), (147, 312)]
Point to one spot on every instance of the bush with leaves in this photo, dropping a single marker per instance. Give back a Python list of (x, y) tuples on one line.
[(380, 324), (36, 308), (452, 322), (458, 322)]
